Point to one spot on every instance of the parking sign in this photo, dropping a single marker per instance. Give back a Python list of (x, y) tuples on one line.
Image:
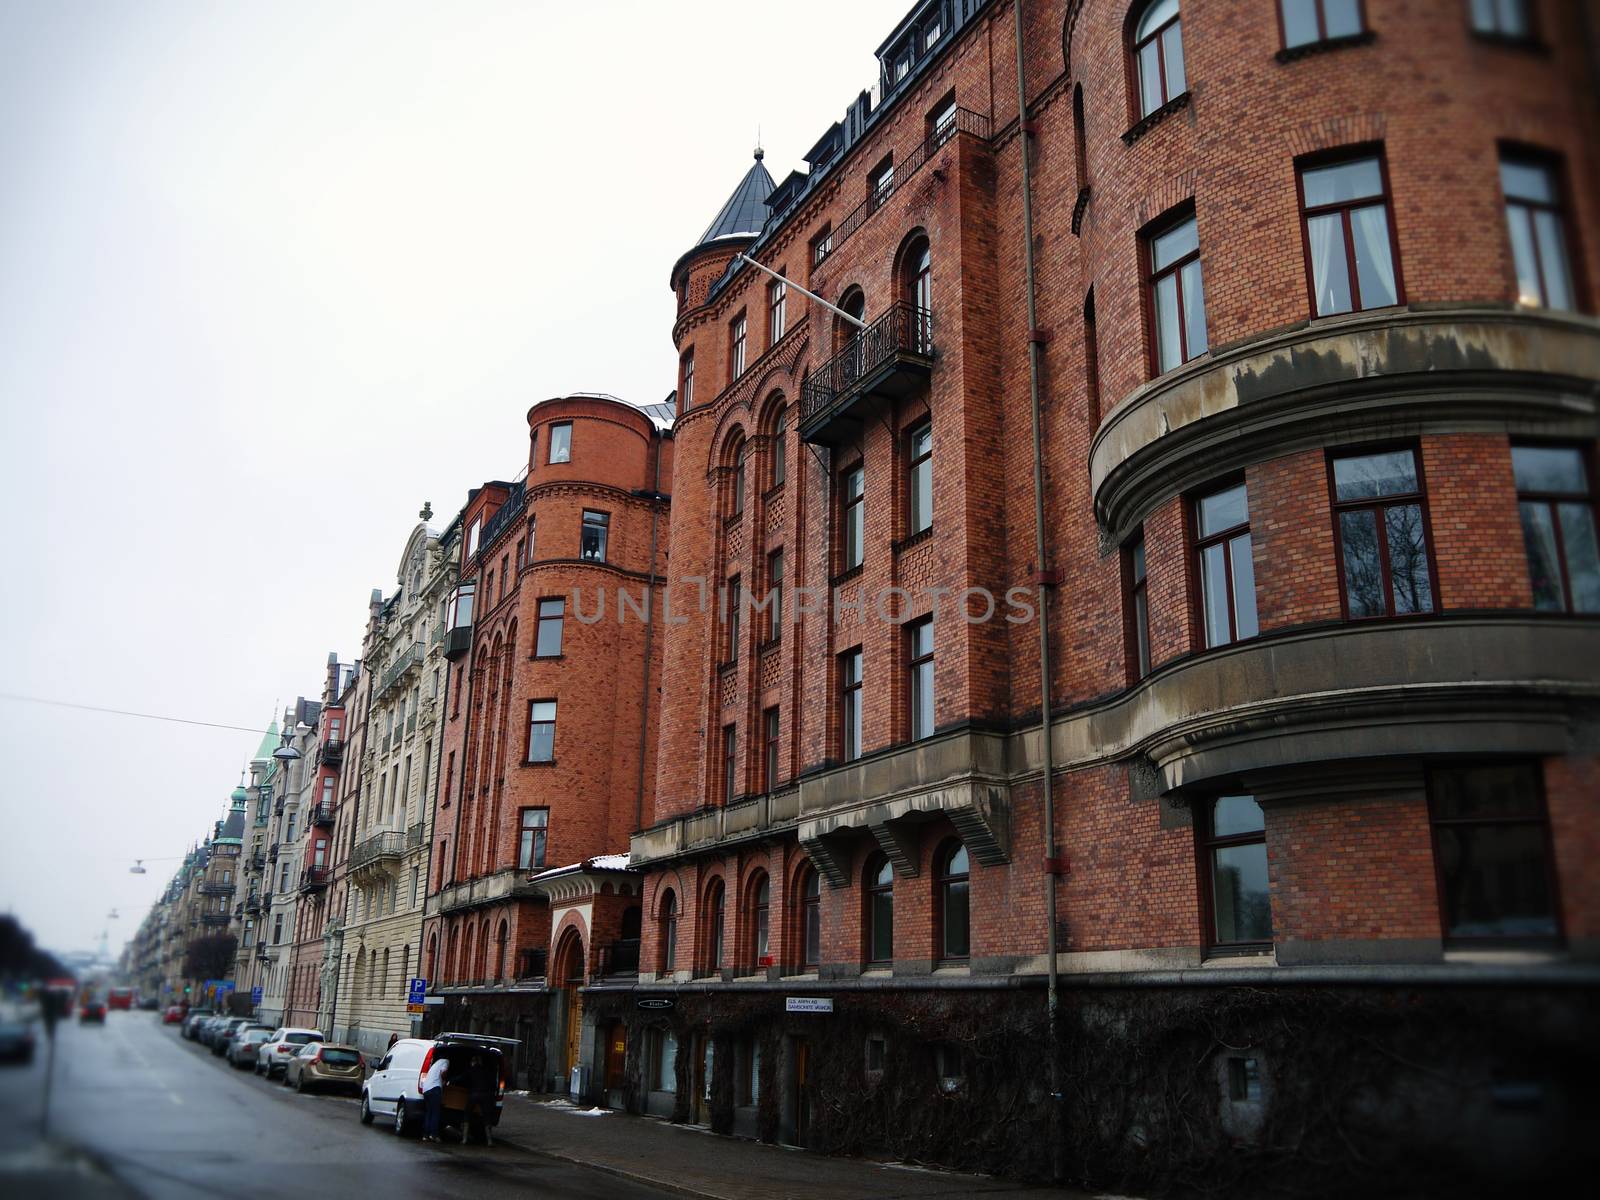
[(416, 991), (255, 994)]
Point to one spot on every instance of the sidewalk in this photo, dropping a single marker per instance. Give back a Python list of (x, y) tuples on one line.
[(695, 1162)]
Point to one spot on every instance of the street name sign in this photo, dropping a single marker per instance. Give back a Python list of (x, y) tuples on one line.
[(808, 1004)]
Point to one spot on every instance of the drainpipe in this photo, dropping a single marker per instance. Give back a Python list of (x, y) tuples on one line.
[(1051, 864), (649, 635)]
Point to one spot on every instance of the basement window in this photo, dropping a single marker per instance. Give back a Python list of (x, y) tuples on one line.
[(1244, 1080), (947, 1063)]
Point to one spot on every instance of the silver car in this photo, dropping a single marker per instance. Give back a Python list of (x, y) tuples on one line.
[(242, 1052)]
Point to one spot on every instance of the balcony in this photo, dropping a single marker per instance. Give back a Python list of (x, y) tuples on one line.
[(414, 836), (380, 847), (219, 919), (216, 889), (399, 671), (258, 862), (321, 814), (888, 360), (331, 752), (272, 853), (252, 903), (313, 879), (620, 957)]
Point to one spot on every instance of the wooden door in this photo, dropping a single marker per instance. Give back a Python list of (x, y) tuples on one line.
[(616, 1060)]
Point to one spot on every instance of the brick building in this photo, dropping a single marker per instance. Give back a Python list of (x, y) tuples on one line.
[(549, 736), (1275, 445), (335, 771)]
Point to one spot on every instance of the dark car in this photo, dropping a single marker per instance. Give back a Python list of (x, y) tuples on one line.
[(16, 1036), (192, 1020), (480, 1068), (222, 1039), (92, 1011)]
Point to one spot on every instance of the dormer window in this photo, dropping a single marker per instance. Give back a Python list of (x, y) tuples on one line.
[(933, 30), (472, 536)]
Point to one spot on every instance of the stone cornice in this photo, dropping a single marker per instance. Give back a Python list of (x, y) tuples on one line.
[(1398, 372)]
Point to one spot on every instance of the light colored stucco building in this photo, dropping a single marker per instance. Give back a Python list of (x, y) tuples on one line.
[(386, 833)]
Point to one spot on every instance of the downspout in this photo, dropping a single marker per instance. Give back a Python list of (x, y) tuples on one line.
[(649, 636), (1051, 863)]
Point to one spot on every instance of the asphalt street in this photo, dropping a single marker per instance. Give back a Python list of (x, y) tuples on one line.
[(136, 1110)]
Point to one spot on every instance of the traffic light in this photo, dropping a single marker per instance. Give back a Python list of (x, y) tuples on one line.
[(186, 989)]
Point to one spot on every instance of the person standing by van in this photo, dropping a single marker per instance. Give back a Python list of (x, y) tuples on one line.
[(433, 1097)]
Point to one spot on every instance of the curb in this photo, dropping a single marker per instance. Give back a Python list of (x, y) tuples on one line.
[(616, 1172)]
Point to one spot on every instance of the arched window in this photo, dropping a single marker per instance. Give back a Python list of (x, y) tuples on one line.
[(669, 931), (810, 919), (917, 290), (1080, 139), (880, 910), (500, 951), (736, 499), (466, 975), (780, 448), (760, 918), (433, 957), (715, 918), (383, 980), (854, 302), (953, 905), (1158, 55)]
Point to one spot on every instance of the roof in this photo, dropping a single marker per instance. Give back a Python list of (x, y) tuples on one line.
[(663, 412), (746, 210), (600, 862), (269, 742)]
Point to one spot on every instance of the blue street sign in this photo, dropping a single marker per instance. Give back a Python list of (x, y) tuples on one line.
[(255, 994), (417, 991)]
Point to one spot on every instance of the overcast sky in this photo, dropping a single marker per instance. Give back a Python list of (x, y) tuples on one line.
[(271, 275)]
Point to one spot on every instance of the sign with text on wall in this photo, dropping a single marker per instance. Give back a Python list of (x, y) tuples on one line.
[(808, 1004), (416, 989)]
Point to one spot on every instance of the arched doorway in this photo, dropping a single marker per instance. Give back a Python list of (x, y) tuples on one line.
[(568, 974)]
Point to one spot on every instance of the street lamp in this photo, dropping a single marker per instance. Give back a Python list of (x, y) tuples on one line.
[(285, 753)]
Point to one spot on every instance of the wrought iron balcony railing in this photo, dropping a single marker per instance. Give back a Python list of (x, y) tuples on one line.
[(389, 844), (887, 358), (214, 918), (331, 751), (321, 814), (399, 670), (216, 889), (313, 879)]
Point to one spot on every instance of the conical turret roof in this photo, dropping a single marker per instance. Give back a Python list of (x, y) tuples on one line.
[(746, 210)]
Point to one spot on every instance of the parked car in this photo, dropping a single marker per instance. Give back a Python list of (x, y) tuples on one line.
[(223, 1038), (173, 1015), (92, 1011), (274, 1053), (242, 1053), (191, 1022), (203, 1031), (394, 1088), (16, 1036), (212, 1029), (149, 1003), (326, 1065)]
